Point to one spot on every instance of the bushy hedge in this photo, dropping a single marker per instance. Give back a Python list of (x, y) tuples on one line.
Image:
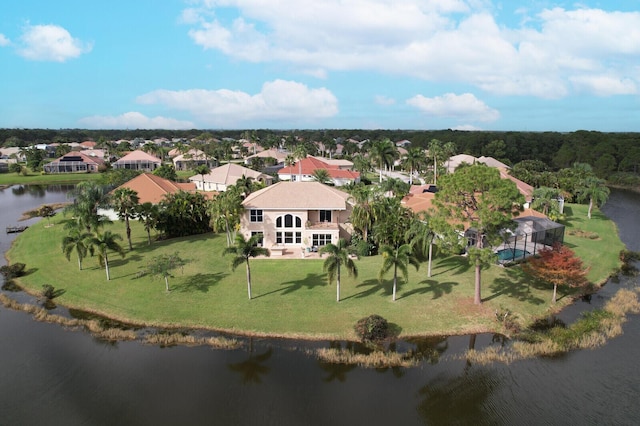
[(372, 328)]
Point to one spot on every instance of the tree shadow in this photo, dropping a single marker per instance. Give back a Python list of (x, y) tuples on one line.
[(517, 286), (310, 282), (457, 264), (374, 286), (115, 262), (200, 282), (431, 286)]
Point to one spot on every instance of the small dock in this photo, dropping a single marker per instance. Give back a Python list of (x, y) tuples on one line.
[(15, 229)]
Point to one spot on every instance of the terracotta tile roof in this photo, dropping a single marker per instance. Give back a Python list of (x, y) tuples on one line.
[(297, 196), (524, 188), (88, 144), (152, 188), (310, 164)]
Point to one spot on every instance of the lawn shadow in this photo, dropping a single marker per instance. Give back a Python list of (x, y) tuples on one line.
[(458, 264), (431, 286), (515, 286), (119, 261), (311, 281), (374, 286), (200, 282)]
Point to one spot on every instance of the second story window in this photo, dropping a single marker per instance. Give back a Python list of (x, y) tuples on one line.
[(255, 215), (325, 215)]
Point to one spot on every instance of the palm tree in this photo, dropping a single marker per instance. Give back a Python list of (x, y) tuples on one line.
[(125, 201), (414, 161), (338, 256), (225, 211), (362, 215), (299, 153), (322, 176), (202, 170), (545, 200), (384, 153), (243, 251), (103, 243), (436, 152), (422, 238), (89, 196), (148, 214), (245, 185), (398, 258), (594, 190), (76, 241)]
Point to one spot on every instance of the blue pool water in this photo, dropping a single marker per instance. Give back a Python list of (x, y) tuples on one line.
[(511, 254)]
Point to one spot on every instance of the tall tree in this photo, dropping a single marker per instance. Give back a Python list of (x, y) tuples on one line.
[(545, 200), (384, 153), (414, 161), (243, 250), (77, 241), (398, 258), (225, 211), (594, 190), (184, 213), (362, 215), (163, 265), (148, 213), (300, 153), (202, 170), (557, 265), (338, 256), (103, 243), (125, 202), (477, 196), (89, 197)]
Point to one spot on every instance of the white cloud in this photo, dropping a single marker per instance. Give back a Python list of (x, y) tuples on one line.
[(279, 101), (133, 120), (605, 85), (50, 43), (453, 41), (384, 100), (465, 107), (4, 41)]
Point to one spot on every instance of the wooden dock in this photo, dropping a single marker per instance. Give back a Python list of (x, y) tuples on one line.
[(15, 229)]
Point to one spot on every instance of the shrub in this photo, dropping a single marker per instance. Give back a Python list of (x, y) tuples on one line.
[(372, 328), (48, 291)]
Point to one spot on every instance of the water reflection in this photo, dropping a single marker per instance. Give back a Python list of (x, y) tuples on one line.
[(252, 370)]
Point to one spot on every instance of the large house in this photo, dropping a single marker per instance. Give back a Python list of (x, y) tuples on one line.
[(191, 159), (138, 160), (74, 162), (297, 215), (220, 178), (338, 170), (152, 188)]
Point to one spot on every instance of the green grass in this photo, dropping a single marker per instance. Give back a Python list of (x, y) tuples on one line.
[(36, 178), (291, 296)]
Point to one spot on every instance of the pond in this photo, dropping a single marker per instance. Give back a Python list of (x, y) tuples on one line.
[(52, 375)]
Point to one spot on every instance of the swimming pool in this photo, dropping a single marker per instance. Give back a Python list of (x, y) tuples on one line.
[(511, 254)]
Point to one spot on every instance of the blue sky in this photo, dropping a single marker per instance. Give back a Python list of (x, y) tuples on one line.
[(283, 64)]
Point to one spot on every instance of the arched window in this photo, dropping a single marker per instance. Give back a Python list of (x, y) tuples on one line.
[(289, 221)]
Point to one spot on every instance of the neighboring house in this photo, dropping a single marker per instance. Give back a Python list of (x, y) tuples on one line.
[(152, 188), (193, 158), (278, 155), (303, 170), (138, 160), (454, 162), (74, 162), (533, 231), (220, 178), (297, 215), (88, 144)]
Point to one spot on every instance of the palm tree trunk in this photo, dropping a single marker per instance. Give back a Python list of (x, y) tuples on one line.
[(590, 207), (166, 283), (338, 286), (395, 281), (148, 236), (79, 263), (555, 290), (477, 298), (126, 219), (248, 279), (430, 257), (106, 266)]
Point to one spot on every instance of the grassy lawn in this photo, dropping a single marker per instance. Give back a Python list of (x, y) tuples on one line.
[(292, 296), (36, 178)]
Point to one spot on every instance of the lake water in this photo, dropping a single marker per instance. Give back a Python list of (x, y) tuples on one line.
[(52, 375)]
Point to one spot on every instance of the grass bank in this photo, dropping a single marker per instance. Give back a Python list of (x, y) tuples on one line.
[(291, 296), (35, 178)]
